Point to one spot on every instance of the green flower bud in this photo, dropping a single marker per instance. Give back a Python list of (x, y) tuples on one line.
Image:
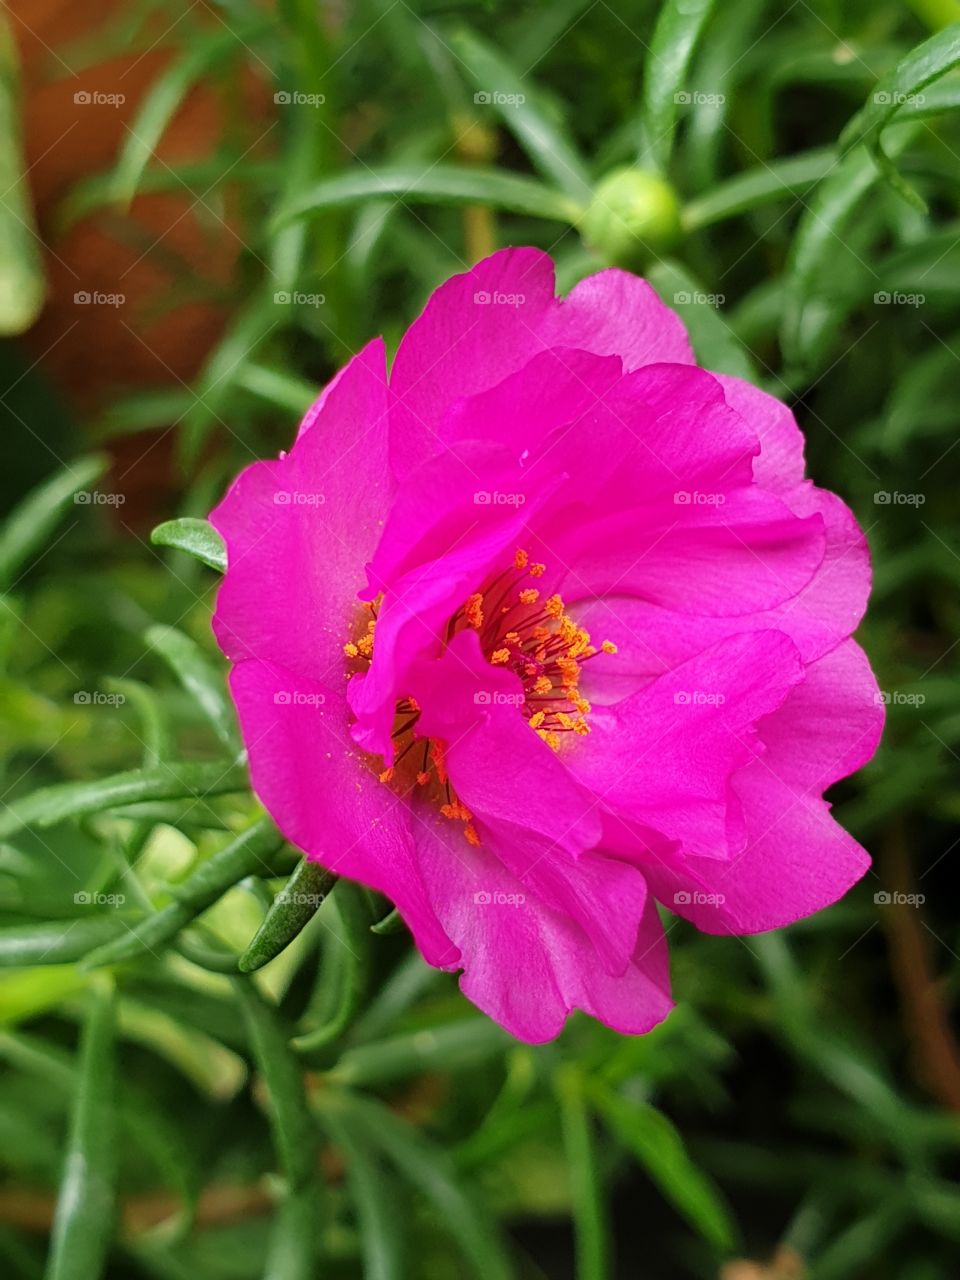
[(634, 216)]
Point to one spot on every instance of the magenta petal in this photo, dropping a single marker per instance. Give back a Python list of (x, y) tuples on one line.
[(299, 529), (664, 756), (552, 389), (780, 464), (746, 554), (322, 794), (616, 313), (499, 767), (526, 965), (482, 326), (796, 860)]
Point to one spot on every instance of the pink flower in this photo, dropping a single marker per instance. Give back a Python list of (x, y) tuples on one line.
[(545, 628)]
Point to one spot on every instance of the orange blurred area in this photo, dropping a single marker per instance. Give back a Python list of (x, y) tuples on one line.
[(157, 275)]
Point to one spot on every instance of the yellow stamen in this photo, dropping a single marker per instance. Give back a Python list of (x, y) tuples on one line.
[(473, 611)]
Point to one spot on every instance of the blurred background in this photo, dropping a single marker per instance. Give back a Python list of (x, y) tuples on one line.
[(205, 208)]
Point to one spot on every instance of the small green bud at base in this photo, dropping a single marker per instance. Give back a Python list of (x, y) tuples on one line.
[(634, 216)]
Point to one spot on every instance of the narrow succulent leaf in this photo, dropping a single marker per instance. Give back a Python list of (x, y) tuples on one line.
[(441, 184), (502, 88), (249, 854), (679, 26), (28, 527), (173, 781), (85, 1203), (353, 937), (201, 679), (587, 1190), (657, 1145), (197, 538), (293, 907)]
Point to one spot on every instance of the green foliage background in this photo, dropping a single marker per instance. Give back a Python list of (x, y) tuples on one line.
[(345, 1113)]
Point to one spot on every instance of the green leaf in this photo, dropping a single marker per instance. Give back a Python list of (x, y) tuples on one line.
[(778, 180), (820, 229), (550, 149), (85, 1204), (428, 1168), (354, 940), (392, 922), (449, 1047), (292, 908), (158, 739), (679, 26), (198, 538), (172, 781), (442, 184), (21, 274), (659, 1148), (588, 1194), (248, 854), (923, 65), (902, 87), (716, 345), (30, 524), (201, 679), (61, 941), (277, 387), (158, 107), (377, 1204), (295, 1137)]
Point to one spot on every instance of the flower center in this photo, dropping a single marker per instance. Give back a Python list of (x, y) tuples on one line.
[(535, 638)]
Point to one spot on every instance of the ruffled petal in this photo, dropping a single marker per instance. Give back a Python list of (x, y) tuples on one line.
[(482, 326), (529, 966), (796, 859), (299, 529), (664, 756), (324, 797)]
